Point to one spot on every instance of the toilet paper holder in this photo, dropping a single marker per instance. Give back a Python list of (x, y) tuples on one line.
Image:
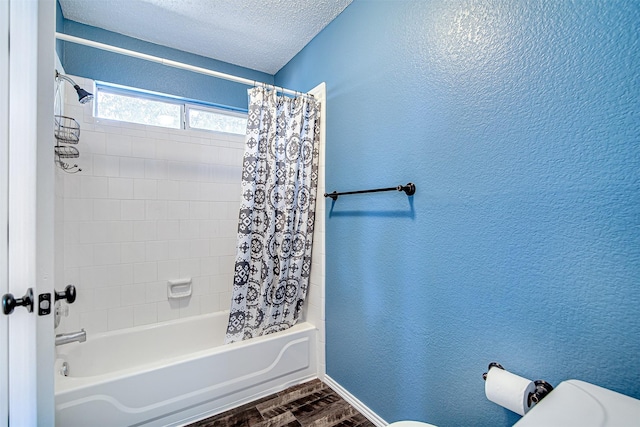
[(542, 387)]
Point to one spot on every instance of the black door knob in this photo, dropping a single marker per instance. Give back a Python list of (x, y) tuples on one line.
[(69, 294), (9, 302)]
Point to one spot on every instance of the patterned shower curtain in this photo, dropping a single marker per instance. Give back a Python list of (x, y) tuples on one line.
[(275, 226)]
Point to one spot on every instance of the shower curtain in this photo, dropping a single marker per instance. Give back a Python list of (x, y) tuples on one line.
[(276, 220)]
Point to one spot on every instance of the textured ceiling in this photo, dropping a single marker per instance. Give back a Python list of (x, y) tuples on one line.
[(259, 34)]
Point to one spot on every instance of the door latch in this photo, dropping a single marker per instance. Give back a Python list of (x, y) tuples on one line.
[(44, 304)]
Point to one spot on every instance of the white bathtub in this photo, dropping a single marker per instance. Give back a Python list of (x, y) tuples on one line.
[(175, 372)]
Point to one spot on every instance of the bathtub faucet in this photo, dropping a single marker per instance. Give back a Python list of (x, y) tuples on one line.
[(80, 336)]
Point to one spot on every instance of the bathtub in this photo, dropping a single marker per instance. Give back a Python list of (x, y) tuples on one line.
[(176, 372)]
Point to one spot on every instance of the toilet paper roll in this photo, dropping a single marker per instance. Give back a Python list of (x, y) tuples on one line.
[(509, 390)]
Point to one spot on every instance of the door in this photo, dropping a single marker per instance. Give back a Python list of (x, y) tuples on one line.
[(26, 208), (4, 174)]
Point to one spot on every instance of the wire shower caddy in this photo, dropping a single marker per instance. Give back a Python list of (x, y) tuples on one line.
[(66, 132), (67, 129)]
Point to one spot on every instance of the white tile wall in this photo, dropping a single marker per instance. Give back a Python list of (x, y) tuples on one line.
[(150, 205)]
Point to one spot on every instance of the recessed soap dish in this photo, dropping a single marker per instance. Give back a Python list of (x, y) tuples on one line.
[(180, 288)]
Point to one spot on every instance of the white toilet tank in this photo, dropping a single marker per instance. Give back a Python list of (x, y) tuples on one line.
[(580, 404)]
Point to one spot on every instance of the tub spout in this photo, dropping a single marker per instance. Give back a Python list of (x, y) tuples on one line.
[(80, 336)]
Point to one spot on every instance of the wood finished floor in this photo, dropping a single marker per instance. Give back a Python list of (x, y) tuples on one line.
[(311, 404)]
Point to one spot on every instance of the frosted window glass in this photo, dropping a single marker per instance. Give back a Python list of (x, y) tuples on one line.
[(138, 110), (217, 121)]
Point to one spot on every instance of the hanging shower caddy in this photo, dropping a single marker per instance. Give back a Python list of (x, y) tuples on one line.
[(67, 129), (67, 132)]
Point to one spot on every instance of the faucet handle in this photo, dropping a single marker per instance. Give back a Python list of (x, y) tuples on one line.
[(69, 294), (62, 310)]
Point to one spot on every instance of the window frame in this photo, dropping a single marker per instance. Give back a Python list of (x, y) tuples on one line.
[(185, 104)]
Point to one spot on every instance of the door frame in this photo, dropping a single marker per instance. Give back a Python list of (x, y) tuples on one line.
[(30, 210)]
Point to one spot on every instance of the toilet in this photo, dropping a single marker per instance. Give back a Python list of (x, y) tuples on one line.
[(575, 403), (410, 424)]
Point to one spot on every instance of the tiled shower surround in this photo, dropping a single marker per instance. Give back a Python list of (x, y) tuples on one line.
[(150, 205)]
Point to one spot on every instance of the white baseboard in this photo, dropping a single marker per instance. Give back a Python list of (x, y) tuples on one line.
[(353, 401)]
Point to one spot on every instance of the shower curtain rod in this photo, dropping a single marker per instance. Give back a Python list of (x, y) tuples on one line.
[(175, 64)]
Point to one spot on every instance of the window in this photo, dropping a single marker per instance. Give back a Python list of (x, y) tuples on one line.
[(116, 102), (216, 120), (134, 109)]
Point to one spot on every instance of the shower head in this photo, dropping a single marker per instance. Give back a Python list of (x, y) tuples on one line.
[(83, 95)]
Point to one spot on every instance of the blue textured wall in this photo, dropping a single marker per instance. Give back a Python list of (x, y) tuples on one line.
[(519, 122), (110, 67)]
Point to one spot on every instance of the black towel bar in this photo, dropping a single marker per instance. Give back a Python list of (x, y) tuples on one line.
[(409, 190)]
